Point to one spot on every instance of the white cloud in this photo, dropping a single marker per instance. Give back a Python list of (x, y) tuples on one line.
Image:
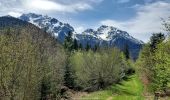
[(56, 6), (46, 6), (147, 21), (79, 29), (14, 14)]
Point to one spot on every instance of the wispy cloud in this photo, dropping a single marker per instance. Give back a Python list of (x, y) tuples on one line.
[(57, 6), (14, 14), (147, 20)]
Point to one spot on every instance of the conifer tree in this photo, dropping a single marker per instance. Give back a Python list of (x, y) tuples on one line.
[(68, 42), (68, 77), (155, 39), (126, 52), (80, 46), (95, 47), (87, 47), (75, 44), (69, 46)]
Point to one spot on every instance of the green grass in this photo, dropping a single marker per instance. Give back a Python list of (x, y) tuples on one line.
[(131, 89)]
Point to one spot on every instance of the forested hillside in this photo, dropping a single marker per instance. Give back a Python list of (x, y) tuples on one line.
[(34, 66), (31, 62)]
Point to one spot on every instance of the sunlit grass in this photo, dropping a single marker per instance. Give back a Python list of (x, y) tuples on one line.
[(130, 89)]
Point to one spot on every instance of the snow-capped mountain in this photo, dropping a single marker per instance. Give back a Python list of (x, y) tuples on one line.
[(110, 36), (104, 36), (50, 25)]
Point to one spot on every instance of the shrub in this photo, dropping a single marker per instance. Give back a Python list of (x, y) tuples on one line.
[(96, 70)]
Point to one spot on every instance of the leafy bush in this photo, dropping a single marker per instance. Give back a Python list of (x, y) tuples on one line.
[(96, 70)]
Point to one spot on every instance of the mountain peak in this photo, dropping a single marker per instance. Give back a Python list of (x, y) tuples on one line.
[(90, 31), (102, 27), (103, 36), (50, 25), (33, 15)]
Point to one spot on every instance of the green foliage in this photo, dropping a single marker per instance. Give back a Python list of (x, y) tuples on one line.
[(69, 45), (68, 42), (31, 65), (96, 47), (80, 47), (44, 89), (161, 69), (95, 70), (126, 52), (75, 44), (145, 63), (69, 76), (87, 47), (154, 63), (155, 39), (131, 89)]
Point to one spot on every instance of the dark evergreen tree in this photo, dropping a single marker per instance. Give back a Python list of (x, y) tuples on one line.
[(87, 47), (155, 39), (68, 42), (75, 44), (68, 77), (126, 52), (45, 89), (8, 31), (69, 47), (95, 47), (80, 46)]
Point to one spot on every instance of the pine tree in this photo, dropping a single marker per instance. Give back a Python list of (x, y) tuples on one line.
[(155, 39), (75, 44), (87, 47), (44, 89), (69, 46), (68, 42), (80, 46), (126, 52), (68, 77), (95, 47)]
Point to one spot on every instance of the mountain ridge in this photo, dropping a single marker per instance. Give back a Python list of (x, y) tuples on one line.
[(104, 36)]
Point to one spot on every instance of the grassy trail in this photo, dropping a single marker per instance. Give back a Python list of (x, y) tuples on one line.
[(131, 89)]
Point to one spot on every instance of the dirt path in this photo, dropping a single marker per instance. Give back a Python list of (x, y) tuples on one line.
[(110, 98), (78, 95)]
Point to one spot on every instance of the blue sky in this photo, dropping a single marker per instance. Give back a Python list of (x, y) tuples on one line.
[(138, 17)]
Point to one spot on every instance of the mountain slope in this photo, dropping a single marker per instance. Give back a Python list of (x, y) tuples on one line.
[(50, 25), (8, 21), (110, 36), (107, 36)]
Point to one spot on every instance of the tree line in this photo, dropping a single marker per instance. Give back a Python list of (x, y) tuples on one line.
[(33, 65)]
